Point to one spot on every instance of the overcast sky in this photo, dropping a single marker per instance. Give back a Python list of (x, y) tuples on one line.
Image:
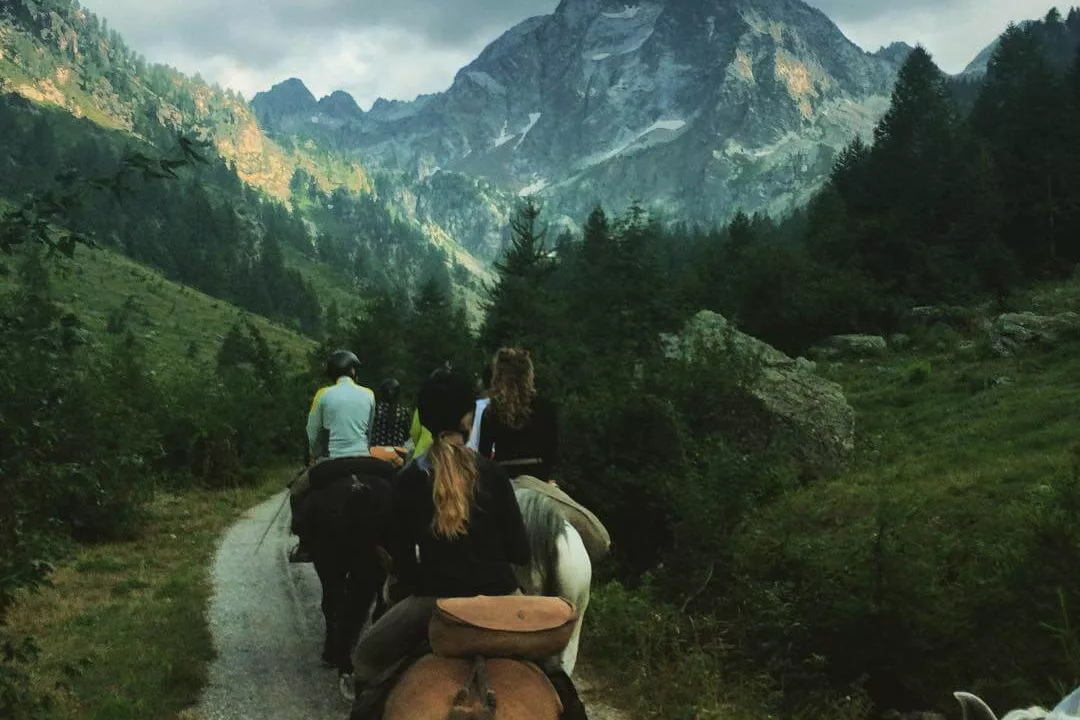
[(400, 48)]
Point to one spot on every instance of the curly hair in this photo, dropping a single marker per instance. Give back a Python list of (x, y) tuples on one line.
[(512, 386)]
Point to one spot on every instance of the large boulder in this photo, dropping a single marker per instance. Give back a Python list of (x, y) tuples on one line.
[(1011, 332), (859, 345), (802, 414)]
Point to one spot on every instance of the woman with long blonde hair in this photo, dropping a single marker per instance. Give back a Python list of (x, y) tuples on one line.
[(454, 530), (519, 428)]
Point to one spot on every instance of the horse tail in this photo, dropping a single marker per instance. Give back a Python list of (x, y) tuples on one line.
[(544, 526)]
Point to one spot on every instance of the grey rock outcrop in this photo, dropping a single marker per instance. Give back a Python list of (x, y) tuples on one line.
[(802, 414), (858, 345), (1010, 332)]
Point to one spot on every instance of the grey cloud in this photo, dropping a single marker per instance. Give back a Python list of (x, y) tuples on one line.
[(257, 29), (858, 11), (397, 48)]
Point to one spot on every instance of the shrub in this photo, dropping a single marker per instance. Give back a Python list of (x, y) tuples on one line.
[(918, 372)]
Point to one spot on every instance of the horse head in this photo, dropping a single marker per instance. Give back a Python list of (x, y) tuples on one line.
[(972, 707)]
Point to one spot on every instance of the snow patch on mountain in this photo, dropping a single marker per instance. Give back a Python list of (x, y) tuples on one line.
[(534, 188), (629, 12), (635, 141), (665, 125), (533, 119), (504, 136)]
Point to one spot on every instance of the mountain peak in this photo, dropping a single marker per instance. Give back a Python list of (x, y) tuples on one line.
[(895, 53), (289, 97), (339, 104)]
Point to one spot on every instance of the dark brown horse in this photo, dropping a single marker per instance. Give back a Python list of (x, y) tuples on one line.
[(340, 522)]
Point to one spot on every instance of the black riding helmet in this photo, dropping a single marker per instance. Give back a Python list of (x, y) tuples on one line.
[(340, 363), (445, 398), (389, 389)]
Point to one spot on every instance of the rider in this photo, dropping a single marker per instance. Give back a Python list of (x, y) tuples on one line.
[(454, 530), (337, 431), (520, 426), (390, 427)]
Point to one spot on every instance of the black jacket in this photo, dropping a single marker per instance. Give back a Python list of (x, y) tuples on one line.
[(476, 563), (537, 438)]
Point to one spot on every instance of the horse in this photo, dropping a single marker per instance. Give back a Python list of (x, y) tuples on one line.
[(972, 707), (560, 565), (340, 522)]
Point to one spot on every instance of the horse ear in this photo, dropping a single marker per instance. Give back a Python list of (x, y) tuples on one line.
[(972, 707)]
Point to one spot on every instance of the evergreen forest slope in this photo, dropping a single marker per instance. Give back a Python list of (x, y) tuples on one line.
[(91, 99)]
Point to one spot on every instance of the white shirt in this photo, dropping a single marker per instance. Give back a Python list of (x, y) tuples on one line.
[(339, 420), (474, 435)]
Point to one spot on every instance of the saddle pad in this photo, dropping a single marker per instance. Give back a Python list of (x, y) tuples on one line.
[(593, 534), (518, 626)]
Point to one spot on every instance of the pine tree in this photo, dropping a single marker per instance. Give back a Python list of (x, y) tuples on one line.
[(1021, 114), (438, 332), (519, 304), (908, 172)]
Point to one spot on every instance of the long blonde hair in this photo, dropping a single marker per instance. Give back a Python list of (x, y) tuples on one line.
[(512, 386), (454, 473)]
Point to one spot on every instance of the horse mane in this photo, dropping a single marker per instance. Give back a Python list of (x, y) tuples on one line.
[(544, 526)]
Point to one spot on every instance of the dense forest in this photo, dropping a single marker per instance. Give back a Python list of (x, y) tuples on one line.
[(961, 197)]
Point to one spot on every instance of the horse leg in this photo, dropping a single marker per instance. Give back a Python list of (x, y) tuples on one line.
[(574, 575), (361, 590), (332, 575)]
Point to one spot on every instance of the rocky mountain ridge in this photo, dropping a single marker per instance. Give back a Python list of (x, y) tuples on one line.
[(697, 107)]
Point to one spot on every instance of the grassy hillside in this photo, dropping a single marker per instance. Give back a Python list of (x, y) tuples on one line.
[(174, 322), (943, 559)]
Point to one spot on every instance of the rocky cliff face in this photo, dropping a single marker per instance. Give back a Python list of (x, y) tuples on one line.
[(696, 107)]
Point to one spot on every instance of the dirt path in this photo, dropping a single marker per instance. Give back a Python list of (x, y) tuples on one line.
[(267, 628)]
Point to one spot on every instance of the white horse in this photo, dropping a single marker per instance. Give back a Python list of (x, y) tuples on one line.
[(973, 708), (560, 565)]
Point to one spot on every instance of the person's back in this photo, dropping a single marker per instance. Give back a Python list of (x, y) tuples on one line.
[(531, 447), (477, 562), (518, 429), (342, 411)]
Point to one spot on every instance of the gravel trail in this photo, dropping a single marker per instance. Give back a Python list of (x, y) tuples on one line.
[(267, 629)]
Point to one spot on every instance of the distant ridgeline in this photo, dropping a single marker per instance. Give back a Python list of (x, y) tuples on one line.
[(280, 232)]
